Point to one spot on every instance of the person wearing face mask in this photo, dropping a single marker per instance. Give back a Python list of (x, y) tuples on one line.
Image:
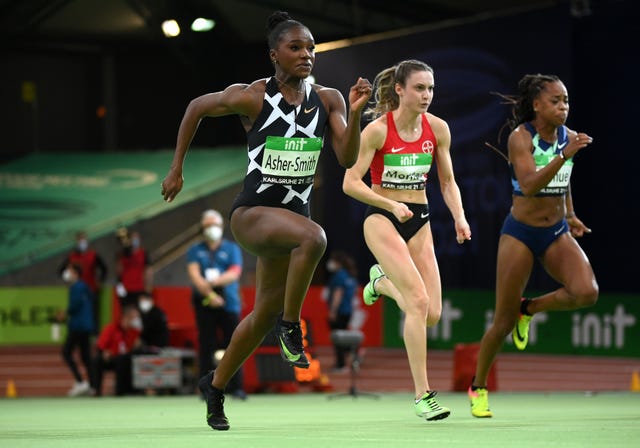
[(214, 266), (341, 289), (80, 327), (115, 344), (155, 327), (135, 272), (93, 268)]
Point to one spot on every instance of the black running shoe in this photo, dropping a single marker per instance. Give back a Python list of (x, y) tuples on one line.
[(215, 403), (289, 337)]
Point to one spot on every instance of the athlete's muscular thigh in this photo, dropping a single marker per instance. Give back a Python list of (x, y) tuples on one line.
[(391, 251), (272, 231), (566, 262)]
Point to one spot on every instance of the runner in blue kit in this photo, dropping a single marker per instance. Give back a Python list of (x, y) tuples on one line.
[(542, 224), (286, 119), (398, 148)]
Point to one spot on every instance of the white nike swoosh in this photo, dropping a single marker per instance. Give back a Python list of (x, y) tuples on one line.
[(562, 146), (397, 149), (558, 231), (424, 215)]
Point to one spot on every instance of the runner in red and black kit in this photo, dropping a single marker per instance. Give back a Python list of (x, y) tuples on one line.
[(398, 147)]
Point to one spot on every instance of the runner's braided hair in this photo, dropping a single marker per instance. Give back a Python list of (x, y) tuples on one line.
[(529, 87)]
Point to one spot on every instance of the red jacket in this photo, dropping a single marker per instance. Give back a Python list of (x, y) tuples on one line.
[(116, 340), (90, 262), (132, 268)]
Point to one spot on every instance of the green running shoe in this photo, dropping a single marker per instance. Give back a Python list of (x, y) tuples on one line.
[(520, 333), (289, 335), (369, 294), (479, 399), (429, 408)]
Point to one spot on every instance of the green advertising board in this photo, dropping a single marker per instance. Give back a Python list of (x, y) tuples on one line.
[(26, 314), (610, 328)]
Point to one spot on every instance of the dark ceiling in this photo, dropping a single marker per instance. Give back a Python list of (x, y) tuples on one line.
[(243, 21)]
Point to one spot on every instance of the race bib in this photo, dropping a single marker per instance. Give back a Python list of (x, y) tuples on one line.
[(290, 160), (406, 171), (560, 182)]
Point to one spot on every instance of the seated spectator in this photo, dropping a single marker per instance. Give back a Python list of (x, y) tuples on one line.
[(342, 288), (155, 326), (115, 345)]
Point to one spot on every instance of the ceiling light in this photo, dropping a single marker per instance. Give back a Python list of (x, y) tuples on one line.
[(170, 28), (201, 24)]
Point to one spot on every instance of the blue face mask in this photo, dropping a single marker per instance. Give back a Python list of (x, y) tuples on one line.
[(135, 243)]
